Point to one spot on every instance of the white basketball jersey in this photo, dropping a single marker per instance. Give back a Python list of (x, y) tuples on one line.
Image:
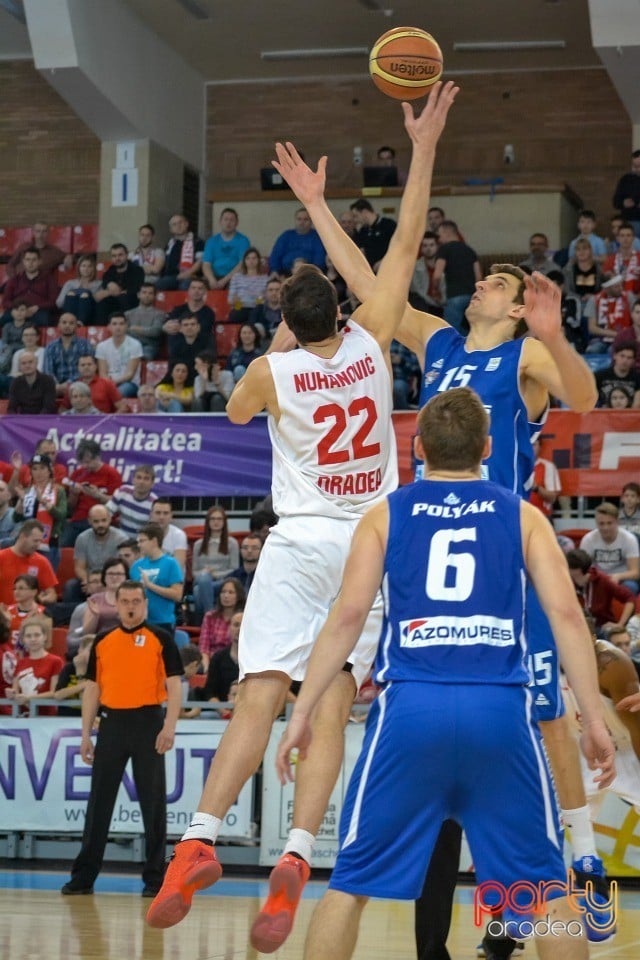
[(334, 449)]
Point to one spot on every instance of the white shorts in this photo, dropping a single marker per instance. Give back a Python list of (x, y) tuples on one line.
[(297, 579)]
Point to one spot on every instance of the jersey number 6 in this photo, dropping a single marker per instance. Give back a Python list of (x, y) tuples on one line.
[(441, 562)]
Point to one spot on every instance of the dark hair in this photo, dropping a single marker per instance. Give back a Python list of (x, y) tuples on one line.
[(28, 579), (635, 154), (430, 235), (256, 332), (439, 209), (587, 213), (118, 246), (130, 544), (130, 585), (240, 595), (152, 531), (29, 526), (539, 233), (224, 533), (31, 250), (453, 427), (557, 276), (625, 225), (243, 262), (626, 345), (166, 500), (309, 305), (262, 518), (361, 204), (579, 560), (208, 357), (229, 210), (147, 283), (88, 447), (147, 226), (190, 654), (113, 562), (386, 149), (634, 487), (117, 313), (450, 225), (168, 377)]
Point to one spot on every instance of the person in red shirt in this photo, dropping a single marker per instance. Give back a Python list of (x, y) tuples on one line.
[(21, 558), (33, 287), (546, 483), (597, 592), (36, 674), (8, 660), (91, 483), (104, 393), (43, 448), (625, 262)]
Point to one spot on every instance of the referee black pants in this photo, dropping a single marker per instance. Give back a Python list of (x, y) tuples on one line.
[(433, 908), (124, 735)]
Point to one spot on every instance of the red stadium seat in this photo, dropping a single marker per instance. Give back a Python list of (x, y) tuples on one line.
[(3, 273), (96, 335), (63, 275), (155, 370), (194, 532), (198, 681), (100, 269), (226, 338), (49, 334), (59, 642), (218, 300), (239, 535), (61, 237), (575, 533), (7, 242), (3, 406), (85, 238), (168, 299), (66, 569)]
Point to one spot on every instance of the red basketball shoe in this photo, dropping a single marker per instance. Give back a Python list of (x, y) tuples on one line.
[(192, 867), (274, 923)]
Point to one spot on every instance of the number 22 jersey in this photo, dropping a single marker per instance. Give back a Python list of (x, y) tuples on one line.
[(334, 450)]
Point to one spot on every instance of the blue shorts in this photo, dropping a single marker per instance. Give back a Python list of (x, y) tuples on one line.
[(434, 751), (543, 662)]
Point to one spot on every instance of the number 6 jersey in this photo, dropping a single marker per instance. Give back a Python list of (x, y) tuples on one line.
[(459, 617), (334, 450)]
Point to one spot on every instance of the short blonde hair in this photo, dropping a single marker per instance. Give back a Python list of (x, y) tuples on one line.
[(38, 620)]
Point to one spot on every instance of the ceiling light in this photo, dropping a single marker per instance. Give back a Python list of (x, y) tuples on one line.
[(319, 53), (505, 46)]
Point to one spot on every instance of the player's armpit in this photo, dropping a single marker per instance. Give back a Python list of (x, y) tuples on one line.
[(253, 393), (559, 370)]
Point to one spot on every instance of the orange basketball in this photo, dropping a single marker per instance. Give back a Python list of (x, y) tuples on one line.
[(404, 62)]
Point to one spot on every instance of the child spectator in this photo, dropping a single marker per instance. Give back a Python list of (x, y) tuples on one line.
[(25, 605), (8, 660), (629, 515), (71, 681), (215, 634), (191, 661), (37, 673), (133, 502), (161, 576), (215, 557), (586, 228)]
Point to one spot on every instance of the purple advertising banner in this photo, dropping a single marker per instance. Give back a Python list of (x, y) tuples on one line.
[(193, 455)]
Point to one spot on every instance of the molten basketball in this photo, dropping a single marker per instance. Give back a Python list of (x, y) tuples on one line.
[(404, 62)]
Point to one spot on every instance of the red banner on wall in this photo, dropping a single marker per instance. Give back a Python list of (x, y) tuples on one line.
[(596, 453)]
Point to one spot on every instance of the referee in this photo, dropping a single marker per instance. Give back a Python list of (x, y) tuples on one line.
[(132, 670)]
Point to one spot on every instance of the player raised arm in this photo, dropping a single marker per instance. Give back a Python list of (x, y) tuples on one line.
[(549, 363), (548, 569)]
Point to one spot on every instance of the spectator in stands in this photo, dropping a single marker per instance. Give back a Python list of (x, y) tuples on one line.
[(621, 375), (194, 306), (302, 242), (626, 260), (25, 604), (405, 369), (458, 264), (546, 483), (539, 258), (129, 551), (215, 556), (93, 547), (586, 228), (149, 403), (46, 448), (8, 659), (71, 682), (174, 540), (36, 674), (101, 611), (8, 523), (191, 340), (183, 255), (223, 666), (249, 347), (597, 593), (161, 576), (22, 557), (374, 231), (175, 391), (268, 314), (215, 635), (50, 256), (104, 393), (571, 307), (148, 256), (81, 402), (613, 550), (626, 198), (608, 313), (132, 502), (212, 387), (13, 323), (77, 295), (31, 286), (32, 392), (423, 293), (75, 631), (250, 550), (247, 286), (629, 514), (61, 356), (618, 400), (120, 284), (191, 662), (583, 274), (119, 357), (30, 342), (223, 251), (46, 501), (631, 334), (146, 321), (348, 223), (435, 218), (339, 283), (92, 483)]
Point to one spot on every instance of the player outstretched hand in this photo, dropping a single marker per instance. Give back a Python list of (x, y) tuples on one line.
[(542, 301), (598, 748), (297, 735), (307, 185), (630, 703), (424, 129)]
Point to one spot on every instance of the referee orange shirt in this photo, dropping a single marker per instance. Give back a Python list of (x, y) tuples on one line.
[(131, 666)]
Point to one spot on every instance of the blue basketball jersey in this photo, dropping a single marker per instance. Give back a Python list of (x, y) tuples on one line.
[(454, 586), (494, 375)]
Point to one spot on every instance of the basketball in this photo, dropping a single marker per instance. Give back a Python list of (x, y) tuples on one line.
[(405, 62)]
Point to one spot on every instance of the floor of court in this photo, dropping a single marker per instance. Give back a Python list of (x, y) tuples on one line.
[(37, 922)]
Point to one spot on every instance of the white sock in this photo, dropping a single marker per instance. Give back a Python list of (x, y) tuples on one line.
[(300, 842), (203, 827), (583, 841)]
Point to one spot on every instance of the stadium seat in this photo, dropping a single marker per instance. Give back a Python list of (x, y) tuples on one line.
[(154, 371), (194, 532), (239, 535), (63, 275), (198, 681), (85, 238), (218, 300), (3, 406), (49, 334), (96, 335), (597, 361), (100, 269), (66, 569), (59, 642), (575, 533), (61, 237), (7, 242), (168, 299), (3, 273), (226, 338)]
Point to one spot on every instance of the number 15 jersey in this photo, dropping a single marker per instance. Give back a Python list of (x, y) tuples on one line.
[(334, 450)]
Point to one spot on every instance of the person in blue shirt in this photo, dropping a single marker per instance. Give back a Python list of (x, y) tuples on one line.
[(586, 227), (455, 699), (161, 576), (302, 243), (223, 252)]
